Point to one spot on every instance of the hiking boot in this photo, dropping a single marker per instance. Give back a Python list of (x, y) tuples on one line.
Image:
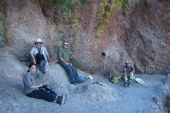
[(126, 84), (129, 81), (61, 99)]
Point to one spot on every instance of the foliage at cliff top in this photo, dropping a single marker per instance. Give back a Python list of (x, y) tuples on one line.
[(106, 10), (68, 5)]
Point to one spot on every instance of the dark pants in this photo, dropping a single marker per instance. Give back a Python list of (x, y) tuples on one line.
[(71, 71), (42, 65), (41, 94)]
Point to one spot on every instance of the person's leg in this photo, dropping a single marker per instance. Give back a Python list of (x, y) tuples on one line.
[(126, 80), (77, 77), (130, 78), (69, 71), (48, 89), (41, 94), (81, 79), (42, 66)]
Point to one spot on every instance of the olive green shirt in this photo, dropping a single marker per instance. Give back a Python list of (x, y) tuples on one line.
[(63, 53)]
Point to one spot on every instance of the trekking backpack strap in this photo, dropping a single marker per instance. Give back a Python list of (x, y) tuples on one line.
[(39, 56), (48, 88)]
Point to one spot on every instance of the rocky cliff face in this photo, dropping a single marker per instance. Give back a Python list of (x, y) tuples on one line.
[(146, 36), (139, 34), (3, 36)]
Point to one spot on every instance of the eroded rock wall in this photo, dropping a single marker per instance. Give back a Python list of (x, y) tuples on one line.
[(146, 36), (140, 36)]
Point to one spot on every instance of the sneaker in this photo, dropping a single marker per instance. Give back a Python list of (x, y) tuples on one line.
[(61, 99), (89, 77)]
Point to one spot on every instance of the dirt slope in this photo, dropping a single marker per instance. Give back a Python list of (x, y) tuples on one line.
[(81, 98)]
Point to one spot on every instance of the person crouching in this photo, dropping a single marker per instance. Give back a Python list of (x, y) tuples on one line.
[(128, 71)]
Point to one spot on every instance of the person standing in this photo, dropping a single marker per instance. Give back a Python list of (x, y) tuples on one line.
[(128, 71), (39, 55), (64, 61)]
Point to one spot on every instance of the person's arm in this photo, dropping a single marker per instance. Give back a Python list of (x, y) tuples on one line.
[(59, 55), (29, 82), (124, 71), (49, 59), (32, 55), (133, 70), (64, 61), (46, 53), (70, 64), (35, 86)]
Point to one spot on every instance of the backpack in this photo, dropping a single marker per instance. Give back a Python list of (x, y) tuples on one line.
[(39, 56), (48, 89), (116, 79)]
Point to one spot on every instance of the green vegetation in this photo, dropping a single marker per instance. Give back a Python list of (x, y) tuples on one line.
[(68, 5), (82, 2), (106, 9), (4, 32)]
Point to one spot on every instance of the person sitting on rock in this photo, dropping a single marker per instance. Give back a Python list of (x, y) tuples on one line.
[(39, 91), (128, 71), (64, 61), (39, 55)]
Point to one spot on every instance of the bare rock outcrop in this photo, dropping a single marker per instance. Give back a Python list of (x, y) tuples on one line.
[(140, 36)]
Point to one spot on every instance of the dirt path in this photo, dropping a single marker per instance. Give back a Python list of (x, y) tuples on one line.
[(85, 97)]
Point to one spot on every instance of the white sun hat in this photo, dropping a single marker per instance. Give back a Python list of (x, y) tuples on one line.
[(38, 40)]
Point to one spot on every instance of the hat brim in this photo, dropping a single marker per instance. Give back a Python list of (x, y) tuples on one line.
[(40, 41)]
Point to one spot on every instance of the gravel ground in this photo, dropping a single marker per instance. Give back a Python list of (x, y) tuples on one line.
[(81, 98)]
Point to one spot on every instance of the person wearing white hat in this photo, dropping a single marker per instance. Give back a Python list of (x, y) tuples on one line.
[(39, 55), (128, 71)]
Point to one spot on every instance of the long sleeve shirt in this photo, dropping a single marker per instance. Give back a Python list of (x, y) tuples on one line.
[(29, 81)]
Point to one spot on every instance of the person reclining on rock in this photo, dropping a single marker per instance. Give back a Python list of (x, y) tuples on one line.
[(39, 91), (128, 71), (39, 55), (64, 61)]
